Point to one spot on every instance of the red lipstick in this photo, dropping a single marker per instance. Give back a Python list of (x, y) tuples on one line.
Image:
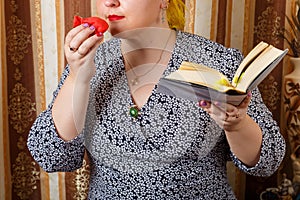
[(115, 17)]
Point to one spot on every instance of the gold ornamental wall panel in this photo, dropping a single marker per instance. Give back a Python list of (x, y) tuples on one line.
[(20, 99), (269, 17)]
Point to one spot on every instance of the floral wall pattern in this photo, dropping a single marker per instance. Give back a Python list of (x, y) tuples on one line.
[(32, 59)]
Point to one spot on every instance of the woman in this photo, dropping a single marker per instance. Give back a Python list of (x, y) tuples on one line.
[(143, 144)]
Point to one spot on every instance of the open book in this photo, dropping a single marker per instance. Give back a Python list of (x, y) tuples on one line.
[(198, 82)]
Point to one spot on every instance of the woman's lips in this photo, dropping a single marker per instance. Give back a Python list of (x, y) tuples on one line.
[(115, 17)]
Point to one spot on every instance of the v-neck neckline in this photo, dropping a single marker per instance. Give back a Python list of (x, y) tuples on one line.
[(165, 72)]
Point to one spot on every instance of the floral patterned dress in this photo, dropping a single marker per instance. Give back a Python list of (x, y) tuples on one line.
[(173, 150)]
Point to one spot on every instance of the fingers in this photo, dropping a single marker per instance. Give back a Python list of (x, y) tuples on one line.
[(224, 107), (223, 112), (72, 33), (90, 44), (80, 42), (226, 115), (246, 101), (231, 116), (80, 49), (219, 108)]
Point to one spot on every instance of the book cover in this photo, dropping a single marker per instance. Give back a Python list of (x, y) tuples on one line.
[(198, 82)]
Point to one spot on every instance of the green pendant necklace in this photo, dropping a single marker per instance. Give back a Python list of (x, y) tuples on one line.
[(134, 111)]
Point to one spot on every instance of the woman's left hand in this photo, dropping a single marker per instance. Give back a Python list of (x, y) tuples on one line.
[(243, 134), (227, 116)]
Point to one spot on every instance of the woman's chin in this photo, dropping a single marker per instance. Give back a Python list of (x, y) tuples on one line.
[(115, 31)]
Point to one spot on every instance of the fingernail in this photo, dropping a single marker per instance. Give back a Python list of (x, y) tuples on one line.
[(202, 103), (85, 25), (92, 27), (249, 94)]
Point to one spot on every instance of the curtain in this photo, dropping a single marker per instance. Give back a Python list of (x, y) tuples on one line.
[(32, 60)]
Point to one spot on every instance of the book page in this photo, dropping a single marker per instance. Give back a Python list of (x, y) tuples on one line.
[(260, 67), (201, 75), (196, 92), (248, 59)]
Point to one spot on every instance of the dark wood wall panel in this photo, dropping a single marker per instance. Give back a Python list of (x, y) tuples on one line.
[(21, 99), (269, 17), (221, 24), (75, 7)]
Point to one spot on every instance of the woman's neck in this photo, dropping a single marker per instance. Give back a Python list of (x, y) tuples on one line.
[(147, 38)]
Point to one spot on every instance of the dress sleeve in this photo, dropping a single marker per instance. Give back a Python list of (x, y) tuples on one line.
[(46, 147), (273, 144)]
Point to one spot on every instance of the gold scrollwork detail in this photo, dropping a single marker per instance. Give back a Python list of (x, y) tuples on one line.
[(13, 6), (21, 144), (270, 92), (18, 75), (17, 39), (25, 176), (20, 108), (81, 181), (268, 26)]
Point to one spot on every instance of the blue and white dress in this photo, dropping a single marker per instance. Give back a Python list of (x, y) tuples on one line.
[(174, 150)]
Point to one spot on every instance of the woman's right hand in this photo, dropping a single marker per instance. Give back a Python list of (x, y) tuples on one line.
[(72, 99), (80, 48)]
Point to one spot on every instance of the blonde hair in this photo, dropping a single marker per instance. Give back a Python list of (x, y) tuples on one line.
[(176, 14)]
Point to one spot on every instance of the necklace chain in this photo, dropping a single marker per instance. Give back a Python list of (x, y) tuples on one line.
[(134, 112), (135, 80)]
